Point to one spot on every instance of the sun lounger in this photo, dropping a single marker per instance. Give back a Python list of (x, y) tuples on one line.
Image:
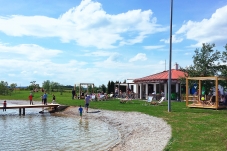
[(125, 100), (159, 102)]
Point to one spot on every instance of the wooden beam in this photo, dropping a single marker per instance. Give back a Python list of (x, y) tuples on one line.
[(186, 91), (216, 91)]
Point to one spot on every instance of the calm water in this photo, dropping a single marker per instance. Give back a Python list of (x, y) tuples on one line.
[(46, 132)]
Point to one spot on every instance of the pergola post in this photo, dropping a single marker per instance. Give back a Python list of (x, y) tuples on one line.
[(80, 90), (199, 90), (216, 91), (186, 91)]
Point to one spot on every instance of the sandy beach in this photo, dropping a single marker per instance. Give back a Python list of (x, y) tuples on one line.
[(138, 132)]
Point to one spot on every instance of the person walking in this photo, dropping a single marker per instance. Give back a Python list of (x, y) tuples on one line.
[(4, 105), (30, 98), (87, 101), (80, 111)]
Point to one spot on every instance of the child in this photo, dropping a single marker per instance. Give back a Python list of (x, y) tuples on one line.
[(53, 102), (80, 110), (30, 98), (4, 105)]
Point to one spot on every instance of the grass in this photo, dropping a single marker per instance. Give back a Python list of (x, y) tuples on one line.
[(193, 129)]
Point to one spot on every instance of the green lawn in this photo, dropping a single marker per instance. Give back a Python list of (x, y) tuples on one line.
[(192, 129)]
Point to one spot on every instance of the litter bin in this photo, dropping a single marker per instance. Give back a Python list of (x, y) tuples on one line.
[(173, 96)]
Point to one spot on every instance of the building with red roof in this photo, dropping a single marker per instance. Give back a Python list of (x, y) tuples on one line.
[(158, 83)]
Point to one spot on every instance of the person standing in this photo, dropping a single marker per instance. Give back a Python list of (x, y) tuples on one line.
[(80, 111), (30, 98), (42, 98), (53, 102), (45, 98), (116, 92), (4, 105), (87, 101), (73, 93)]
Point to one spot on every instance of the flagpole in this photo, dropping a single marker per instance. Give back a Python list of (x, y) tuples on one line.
[(170, 58)]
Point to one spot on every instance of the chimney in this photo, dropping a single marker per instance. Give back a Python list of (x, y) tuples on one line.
[(176, 65)]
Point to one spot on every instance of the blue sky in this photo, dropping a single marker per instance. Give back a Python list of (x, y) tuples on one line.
[(74, 41)]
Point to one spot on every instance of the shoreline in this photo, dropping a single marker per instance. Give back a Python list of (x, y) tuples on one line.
[(138, 131)]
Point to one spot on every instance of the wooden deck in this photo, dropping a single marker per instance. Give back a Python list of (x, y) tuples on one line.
[(29, 106), (207, 106)]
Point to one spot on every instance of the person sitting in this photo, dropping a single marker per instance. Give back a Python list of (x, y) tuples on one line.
[(222, 100), (82, 95)]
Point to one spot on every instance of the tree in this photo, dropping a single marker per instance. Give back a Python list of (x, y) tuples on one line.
[(33, 85), (4, 90), (206, 62), (124, 81), (108, 87), (46, 86), (54, 85), (13, 86), (103, 88), (223, 71)]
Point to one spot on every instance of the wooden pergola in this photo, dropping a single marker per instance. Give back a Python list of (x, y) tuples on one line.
[(87, 84), (202, 105)]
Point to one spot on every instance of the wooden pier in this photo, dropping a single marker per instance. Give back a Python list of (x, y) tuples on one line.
[(22, 107)]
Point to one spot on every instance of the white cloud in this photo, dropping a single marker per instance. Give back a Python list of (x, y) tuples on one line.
[(210, 30), (11, 75), (153, 47), (87, 24), (139, 57), (28, 51), (187, 53), (99, 53), (174, 40)]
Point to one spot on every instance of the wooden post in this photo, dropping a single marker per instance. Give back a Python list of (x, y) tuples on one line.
[(186, 91), (23, 111), (79, 91), (19, 111), (199, 95), (216, 91)]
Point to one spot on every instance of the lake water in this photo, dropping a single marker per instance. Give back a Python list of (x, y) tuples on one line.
[(48, 132)]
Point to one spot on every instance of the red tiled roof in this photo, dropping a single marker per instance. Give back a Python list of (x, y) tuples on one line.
[(176, 74)]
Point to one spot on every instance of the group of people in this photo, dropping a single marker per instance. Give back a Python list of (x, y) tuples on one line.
[(211, 97), (87, 101), (43, 97), (128, 94)]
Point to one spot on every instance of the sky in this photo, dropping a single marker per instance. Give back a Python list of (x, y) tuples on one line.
[(96, 41)]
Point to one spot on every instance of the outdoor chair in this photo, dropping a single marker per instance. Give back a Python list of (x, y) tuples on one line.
[(111, 95), (93, 97), (149, 100), (159, 102)]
